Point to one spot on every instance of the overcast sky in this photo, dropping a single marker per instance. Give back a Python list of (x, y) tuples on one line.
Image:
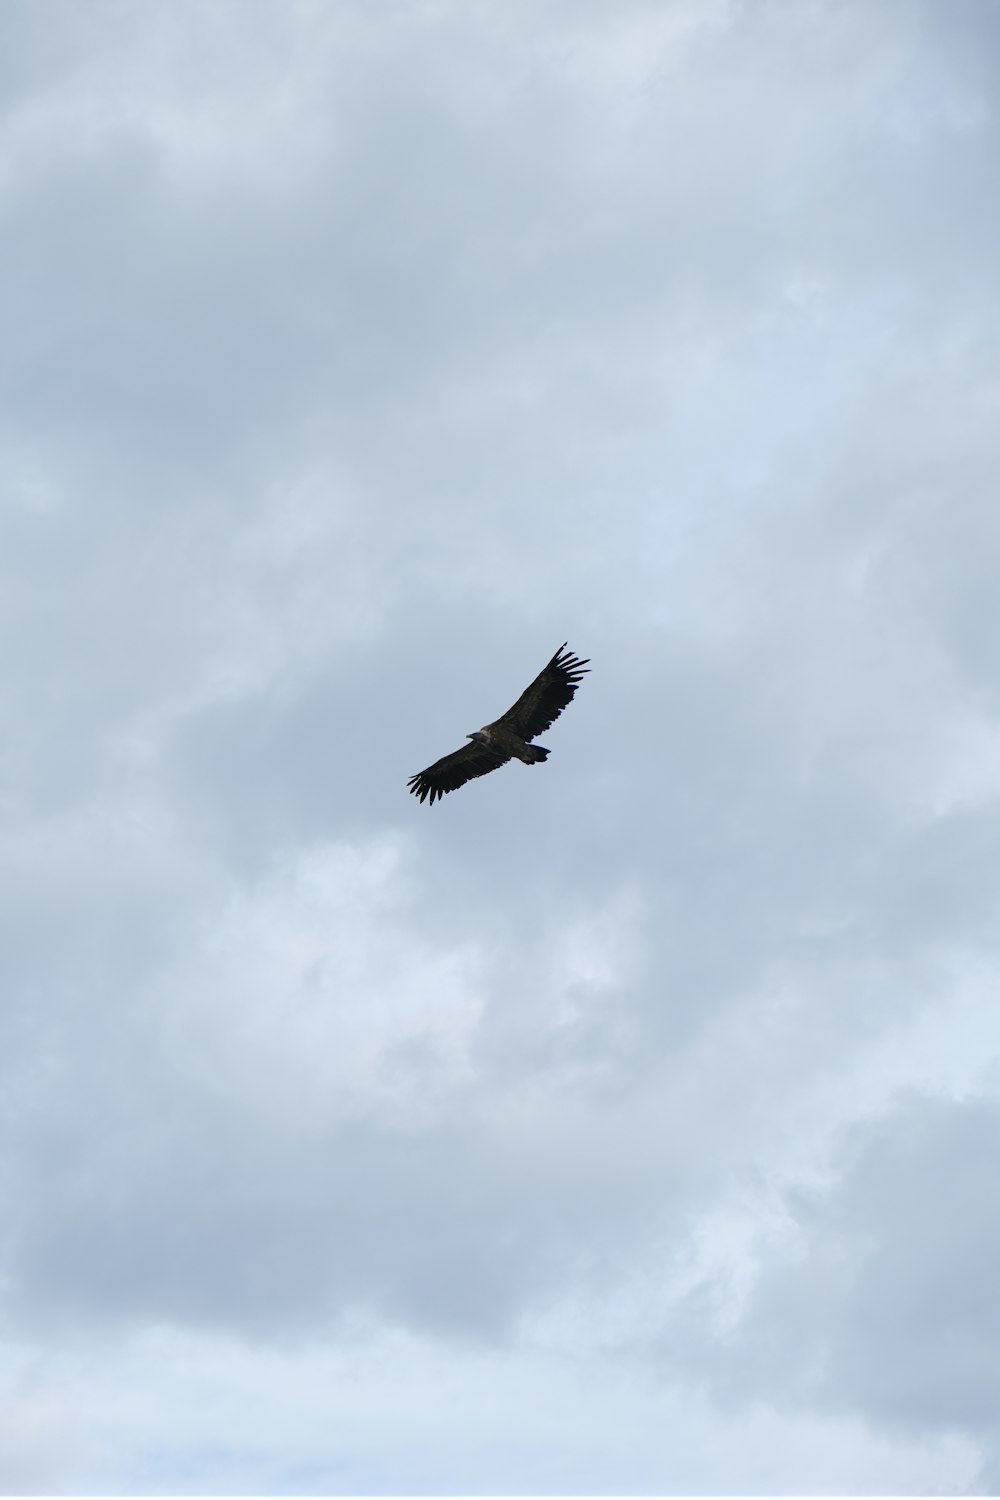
[(627, 1124)]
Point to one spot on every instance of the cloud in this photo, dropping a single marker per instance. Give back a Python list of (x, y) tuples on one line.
[(354, 361), (312, 1421), (874, 1298)]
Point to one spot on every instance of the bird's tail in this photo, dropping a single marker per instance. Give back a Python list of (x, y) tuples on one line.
[(536, 753)]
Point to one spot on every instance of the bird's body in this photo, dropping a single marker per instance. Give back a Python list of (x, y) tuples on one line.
[(507, 743), (510, 736)]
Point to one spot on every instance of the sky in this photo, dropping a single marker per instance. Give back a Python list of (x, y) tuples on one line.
[(626, 1125)]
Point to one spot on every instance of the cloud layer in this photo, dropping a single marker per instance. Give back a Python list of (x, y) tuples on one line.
[(627, 1126)]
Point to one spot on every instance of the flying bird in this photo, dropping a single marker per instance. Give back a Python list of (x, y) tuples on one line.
[(510, 736)]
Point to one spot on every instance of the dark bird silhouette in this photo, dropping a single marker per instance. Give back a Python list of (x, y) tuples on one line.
[(510, 736)]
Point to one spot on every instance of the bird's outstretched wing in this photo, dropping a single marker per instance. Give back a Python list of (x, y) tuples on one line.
[(542, 703), (454, 770)]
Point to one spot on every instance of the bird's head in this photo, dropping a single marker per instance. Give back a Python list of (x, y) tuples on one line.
[(478, 736)]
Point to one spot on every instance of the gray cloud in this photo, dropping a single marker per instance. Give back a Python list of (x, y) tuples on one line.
[(879, 1299), (353, 362)]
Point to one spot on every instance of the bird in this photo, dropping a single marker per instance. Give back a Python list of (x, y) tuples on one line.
[(510, 736)]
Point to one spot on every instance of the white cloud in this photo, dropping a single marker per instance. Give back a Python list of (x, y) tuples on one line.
[(313, 1420)]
